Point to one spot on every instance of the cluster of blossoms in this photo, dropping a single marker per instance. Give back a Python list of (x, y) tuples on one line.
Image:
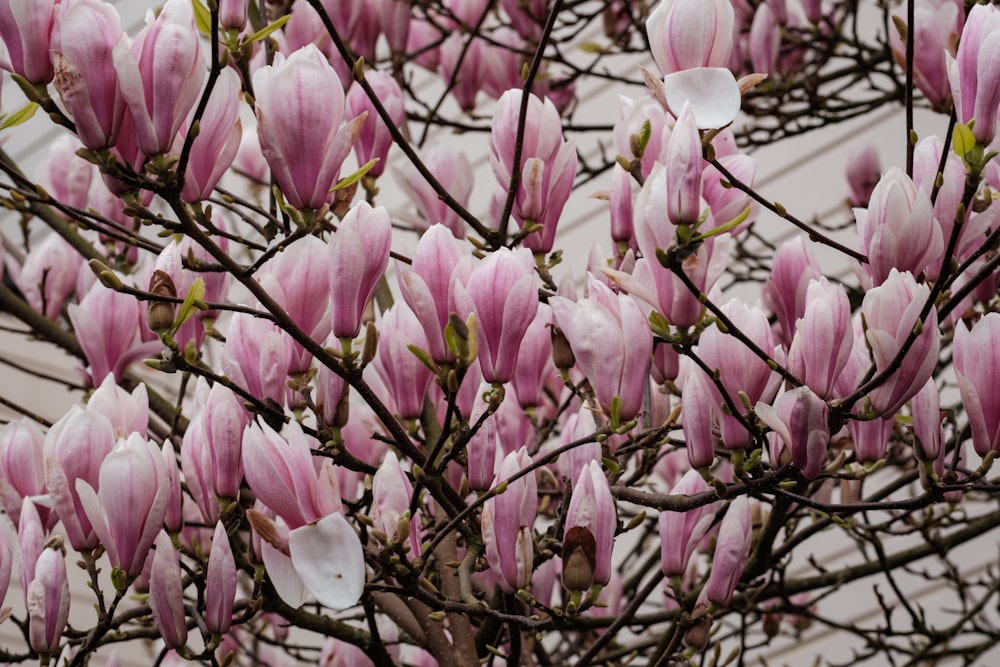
[(449, 432)]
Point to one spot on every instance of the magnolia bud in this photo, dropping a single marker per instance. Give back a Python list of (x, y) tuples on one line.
[(160, 314), (697, 635), (579, 553), (562, 353)]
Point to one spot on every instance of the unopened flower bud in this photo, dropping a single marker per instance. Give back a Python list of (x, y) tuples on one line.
[(579, 551), (160, 314), (562, 353), (697, 635)]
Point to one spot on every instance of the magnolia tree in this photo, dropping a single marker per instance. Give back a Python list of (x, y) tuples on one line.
[(317, 429)]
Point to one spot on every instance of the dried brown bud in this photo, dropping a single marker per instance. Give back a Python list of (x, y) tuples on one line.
[(579, 559), (160, 314), (562, 353), (264, 526), (342, 199), (698, 634)]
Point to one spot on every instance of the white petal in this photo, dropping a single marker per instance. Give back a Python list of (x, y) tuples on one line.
[(286, 581), (713, 93), (329, 559)]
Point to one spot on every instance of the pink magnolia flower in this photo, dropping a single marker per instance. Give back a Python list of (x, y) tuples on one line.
[(453, 172), (507, 522), (926, 159), (691, 33), (22, 466), (547, 166), (726, 203), (359, 255), (800, 421), (740, 369), (484, 444), (863, 173), (47, 276), (30, 542), (128, 413), (824, 337), (463, 61), (75, 447), (683, 169), (870, 438), (632, 114), (937, 25), (173, 517), (765, 40), (106, 323), (898, 230), (218, 426), (731, 552), (792, 270), (527, 16), (233, 14), (374, 139), (48, 602), (976, 359), (927, 427), (298, 279), (661, 288), (25, 32), (300, 110), (580, 424), (428, 285), (891, 312), (166, 593), (612, 342), (392, 494), (700, 401), (220, 583), (282, 474), (534, 361), (8, 547), (423, 43), (502, 292), (405, 376), (324, 557), (331, 393), (621, 197), (65, 175), (219, 133), (394, 22), (680, 532), (170, 261), (974, 72), (589, 534), (128, 508), (161, 75), (257, 358)]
